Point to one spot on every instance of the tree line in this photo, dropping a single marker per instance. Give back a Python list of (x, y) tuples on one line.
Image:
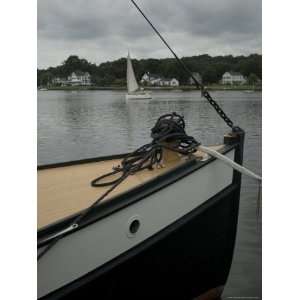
[(114, 72)]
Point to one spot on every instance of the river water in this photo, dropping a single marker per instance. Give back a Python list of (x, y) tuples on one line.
[(80, 124)]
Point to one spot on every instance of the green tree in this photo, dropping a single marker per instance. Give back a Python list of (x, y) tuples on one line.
[(45, 78), (210, 75), (252, 79), (110, 72)]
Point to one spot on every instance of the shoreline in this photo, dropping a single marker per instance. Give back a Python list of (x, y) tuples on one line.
[(178, 88)]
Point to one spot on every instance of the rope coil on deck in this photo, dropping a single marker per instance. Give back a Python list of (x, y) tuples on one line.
[(167, 133)]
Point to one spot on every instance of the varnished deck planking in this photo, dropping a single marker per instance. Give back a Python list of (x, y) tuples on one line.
[(66, 190)]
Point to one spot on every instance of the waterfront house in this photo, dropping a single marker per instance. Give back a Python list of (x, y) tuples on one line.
[(79, 78), (76, 78), (169, 82), (151, 79), (233, 78), (174, 82), (197, 76), (145, 78), (154, 79)]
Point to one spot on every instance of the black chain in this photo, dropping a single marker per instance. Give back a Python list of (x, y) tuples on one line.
[(217, 108), (199, 85)]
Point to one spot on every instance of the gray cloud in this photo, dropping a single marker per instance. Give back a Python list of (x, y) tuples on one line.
[(101, 30)]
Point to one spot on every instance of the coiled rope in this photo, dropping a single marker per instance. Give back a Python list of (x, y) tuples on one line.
[(167, 133)]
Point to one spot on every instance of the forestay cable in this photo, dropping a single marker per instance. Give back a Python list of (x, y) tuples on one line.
[(198, 84)]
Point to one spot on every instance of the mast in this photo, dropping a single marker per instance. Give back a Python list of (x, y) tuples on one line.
[(132, 84)]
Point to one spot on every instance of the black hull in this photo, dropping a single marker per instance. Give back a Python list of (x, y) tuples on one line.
[(187, 259)]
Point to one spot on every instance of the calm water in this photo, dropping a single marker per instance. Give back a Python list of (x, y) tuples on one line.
[(76, 125)]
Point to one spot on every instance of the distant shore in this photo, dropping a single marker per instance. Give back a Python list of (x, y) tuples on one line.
[(214, 87)]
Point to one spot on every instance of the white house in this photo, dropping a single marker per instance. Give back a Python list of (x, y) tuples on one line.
[(164, 82), (145, 77), (79, 78), (153, 79), (168, 82), (174, 82), (76, 78), (233, 78)]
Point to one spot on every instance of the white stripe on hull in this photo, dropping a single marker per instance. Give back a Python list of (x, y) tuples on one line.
[(92, 246)]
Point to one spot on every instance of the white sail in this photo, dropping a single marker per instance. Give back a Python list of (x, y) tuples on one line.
[(132, 85)]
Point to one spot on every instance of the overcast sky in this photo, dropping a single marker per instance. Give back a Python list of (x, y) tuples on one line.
[(101, 30)]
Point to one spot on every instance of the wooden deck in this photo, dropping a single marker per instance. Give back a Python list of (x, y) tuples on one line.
[(66, 190)]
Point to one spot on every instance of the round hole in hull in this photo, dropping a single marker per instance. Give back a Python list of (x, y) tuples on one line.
[(134, 226)]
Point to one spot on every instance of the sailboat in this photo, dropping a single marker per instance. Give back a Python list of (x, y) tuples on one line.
[(134, 91), (157, 223)]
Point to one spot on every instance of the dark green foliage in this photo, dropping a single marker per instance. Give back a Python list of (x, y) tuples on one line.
[(114, 72), (44, 77), (210, 75), (252, 79)]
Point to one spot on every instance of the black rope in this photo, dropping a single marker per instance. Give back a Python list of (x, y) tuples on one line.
[(167, 133), (198, 84)]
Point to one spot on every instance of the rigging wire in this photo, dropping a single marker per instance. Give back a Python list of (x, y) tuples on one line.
[(168, 133), (198, 84)]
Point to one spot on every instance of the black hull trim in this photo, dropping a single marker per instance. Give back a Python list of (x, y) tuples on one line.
[(186, 259)]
